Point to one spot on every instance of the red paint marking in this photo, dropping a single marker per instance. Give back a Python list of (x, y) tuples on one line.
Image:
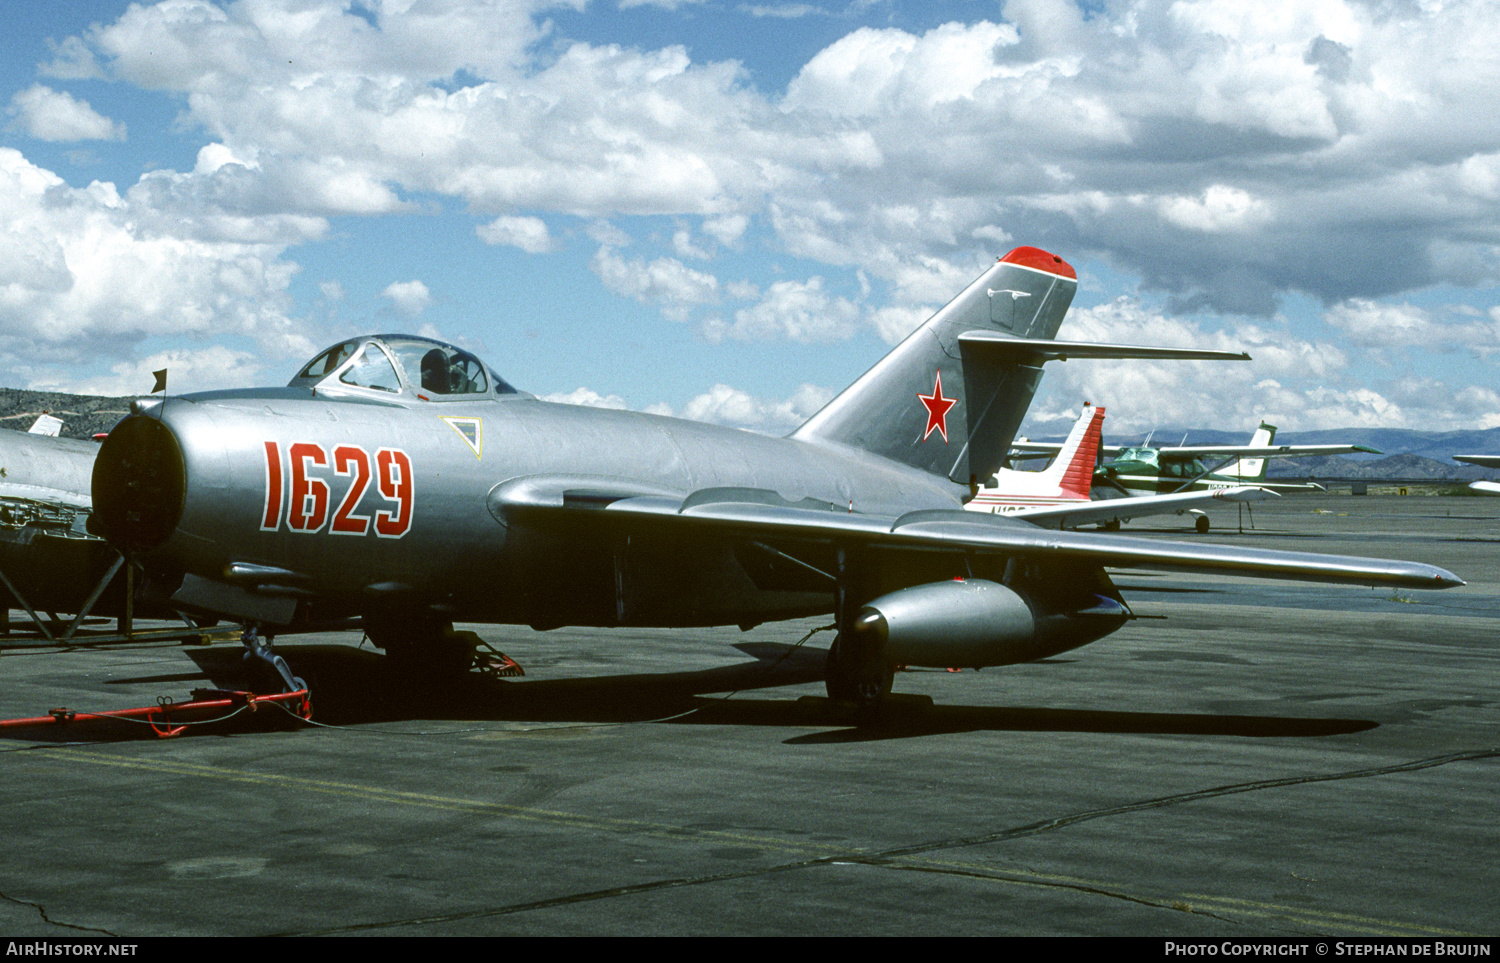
[(349, 460), (309, 504), (396, 484), (937, 409), (271, 520), (1079, 476), (1035, 257)]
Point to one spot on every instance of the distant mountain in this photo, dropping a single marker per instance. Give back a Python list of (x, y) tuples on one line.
[(1373, 468), (1439, 445), (82, 416)]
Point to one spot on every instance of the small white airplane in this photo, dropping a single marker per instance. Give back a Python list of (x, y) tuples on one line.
[(1483, 461), (1060, 496)]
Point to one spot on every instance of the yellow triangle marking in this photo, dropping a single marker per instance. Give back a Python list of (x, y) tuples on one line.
[(471, 430)]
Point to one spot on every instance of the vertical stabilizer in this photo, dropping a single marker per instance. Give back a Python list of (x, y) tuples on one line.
[(927, 405), (1254, 469), (1072, 471)]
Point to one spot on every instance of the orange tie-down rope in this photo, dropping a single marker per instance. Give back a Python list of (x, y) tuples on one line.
[(159, 716)]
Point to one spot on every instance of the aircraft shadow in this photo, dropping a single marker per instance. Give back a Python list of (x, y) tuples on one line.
[(353, 687)]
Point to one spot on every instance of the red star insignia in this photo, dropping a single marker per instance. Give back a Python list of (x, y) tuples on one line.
[(937, 409)]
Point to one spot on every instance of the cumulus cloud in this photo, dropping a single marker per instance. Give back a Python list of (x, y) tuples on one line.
[(725, 405), (1406, 326), (530, 234), (86, 270), (794, 310), (587, 397), (410, 298), (720, 405), (665, 282), (56, 115), (1156, 132)]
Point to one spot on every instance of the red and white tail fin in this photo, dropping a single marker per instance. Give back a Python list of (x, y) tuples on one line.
[(1072, 471)]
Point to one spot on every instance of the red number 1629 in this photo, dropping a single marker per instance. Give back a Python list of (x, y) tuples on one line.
[(306, 507)]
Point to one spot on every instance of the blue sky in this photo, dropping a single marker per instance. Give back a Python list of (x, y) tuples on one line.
[(727, 211)]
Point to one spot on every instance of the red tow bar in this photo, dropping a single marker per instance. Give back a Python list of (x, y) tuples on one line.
[(166, 717)]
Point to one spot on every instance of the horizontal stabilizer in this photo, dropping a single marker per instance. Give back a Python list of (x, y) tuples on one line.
[(1002, 349)]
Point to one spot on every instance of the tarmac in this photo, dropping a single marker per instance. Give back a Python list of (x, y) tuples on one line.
[(1247, 758)]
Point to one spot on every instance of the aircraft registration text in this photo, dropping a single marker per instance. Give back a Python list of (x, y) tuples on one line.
[(306, 508)]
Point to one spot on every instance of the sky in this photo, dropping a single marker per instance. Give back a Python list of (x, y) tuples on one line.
[(728, 210)]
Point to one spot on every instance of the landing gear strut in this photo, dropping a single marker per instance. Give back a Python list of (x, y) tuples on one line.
[(259, 647), (858, 671)]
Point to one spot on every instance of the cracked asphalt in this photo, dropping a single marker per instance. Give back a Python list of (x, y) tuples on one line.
[(1246, 758)]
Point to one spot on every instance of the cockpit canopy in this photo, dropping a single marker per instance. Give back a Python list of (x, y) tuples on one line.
[(1145, 456), (400, 364)]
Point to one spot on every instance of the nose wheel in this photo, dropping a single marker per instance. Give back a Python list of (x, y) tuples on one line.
[(259, 647)]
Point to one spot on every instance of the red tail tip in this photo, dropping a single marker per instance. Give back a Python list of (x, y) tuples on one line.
[(1040, 260)]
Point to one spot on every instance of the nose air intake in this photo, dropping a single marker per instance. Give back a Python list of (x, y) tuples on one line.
[(139, 482)]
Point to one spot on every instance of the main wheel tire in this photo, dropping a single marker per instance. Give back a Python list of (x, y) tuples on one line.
[(862, 682), (1201, 524)]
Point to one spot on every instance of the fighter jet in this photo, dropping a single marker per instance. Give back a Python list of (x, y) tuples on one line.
[(1059, 496), (403, 480)]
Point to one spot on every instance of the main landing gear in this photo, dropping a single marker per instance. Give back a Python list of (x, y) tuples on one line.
[(858, 672), (422, 647)]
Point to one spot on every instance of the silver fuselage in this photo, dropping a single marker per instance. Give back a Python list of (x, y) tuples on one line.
[(439, 541)]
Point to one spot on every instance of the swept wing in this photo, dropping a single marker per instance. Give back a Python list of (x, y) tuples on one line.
[(764, 515)]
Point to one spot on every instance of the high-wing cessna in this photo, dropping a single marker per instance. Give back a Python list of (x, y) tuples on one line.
[(1058, 497), (1143, 471), (403, 480)]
